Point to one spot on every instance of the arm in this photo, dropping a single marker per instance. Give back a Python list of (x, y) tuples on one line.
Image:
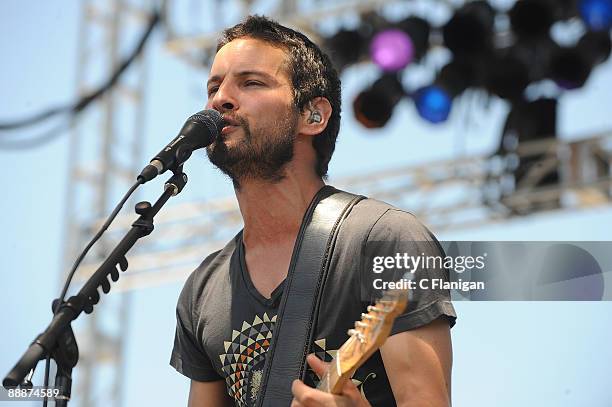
[(418, 364), (208, 394)]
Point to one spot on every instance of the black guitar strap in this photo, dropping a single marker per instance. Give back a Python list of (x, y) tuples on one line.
[(295, 320)]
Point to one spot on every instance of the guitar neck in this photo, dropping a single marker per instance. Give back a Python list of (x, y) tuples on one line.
[(332, 382), (369, 334)]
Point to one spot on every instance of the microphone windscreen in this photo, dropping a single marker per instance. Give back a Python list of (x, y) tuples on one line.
[(211, 119)]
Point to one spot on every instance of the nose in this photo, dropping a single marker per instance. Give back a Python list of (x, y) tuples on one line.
[(224, 99)]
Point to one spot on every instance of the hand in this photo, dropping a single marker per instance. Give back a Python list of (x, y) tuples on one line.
[(305, 396)]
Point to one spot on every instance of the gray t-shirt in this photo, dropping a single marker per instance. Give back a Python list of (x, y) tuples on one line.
[(224, 325)]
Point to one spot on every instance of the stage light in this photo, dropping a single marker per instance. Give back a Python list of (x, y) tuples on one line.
[(392, 50), (470, 30), (459, 74), (346, 47), (536, 54), (571, 66), (532, 18), (418, 30), (402, 43), (595, 46), (433, 103), (374, 107), (507, 76), (597, 14), (530, 121)]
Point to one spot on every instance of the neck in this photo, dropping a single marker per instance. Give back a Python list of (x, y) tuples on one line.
[(273, 211)]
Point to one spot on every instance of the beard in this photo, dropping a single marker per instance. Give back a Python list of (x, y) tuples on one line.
[(261, 154)]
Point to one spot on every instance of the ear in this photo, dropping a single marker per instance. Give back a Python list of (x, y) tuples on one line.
[(314, 116)]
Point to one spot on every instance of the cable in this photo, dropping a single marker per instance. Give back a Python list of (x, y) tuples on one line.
[(78, 261), (46, 137), (76, 108), (38, 117), (85, 101), (103, 229), (36, 141)]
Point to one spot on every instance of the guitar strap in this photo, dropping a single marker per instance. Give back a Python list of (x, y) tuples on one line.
[(295, 320)]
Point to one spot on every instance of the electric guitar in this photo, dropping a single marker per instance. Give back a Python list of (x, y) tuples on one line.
[(368, 335)]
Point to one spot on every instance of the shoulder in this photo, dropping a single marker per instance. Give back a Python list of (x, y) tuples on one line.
[(401, 224), (380, 219), (376, 225)]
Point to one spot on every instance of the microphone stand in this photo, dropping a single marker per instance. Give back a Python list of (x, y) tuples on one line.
[(58, 340)]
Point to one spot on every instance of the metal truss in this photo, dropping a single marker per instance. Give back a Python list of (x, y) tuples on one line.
[(102, 157), (196, 43), (467, 192)]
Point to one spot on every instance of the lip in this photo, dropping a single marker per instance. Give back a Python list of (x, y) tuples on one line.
[(227, 129), (229, 121)]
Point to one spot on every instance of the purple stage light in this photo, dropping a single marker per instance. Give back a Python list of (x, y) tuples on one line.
[(392, 50)]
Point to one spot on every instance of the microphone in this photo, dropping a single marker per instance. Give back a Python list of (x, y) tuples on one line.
[(199, 131)]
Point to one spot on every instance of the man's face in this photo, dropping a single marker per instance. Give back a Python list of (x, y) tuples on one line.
[(250, 85)]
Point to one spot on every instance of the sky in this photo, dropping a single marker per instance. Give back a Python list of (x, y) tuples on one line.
[(505, 353)]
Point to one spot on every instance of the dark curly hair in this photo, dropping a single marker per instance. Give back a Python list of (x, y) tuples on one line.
[(311, 71)]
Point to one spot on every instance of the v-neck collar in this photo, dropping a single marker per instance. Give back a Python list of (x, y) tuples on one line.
[(274, 299), (275, 296)]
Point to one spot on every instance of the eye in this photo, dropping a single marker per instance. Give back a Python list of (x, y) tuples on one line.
[(253, 83), (212, 90)]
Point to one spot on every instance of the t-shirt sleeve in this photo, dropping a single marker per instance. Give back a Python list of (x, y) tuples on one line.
[(188, 355), (399, 234)]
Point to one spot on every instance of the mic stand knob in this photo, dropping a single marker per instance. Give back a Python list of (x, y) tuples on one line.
[(142, 208)]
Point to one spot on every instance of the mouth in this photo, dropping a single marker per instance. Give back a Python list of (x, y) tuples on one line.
[(230, 126), (227, 129)]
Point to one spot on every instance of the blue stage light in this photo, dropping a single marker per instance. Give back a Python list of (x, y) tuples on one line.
[(597, 14), (433, 103)]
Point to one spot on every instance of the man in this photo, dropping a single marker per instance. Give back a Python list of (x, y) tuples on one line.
[(280, 98)]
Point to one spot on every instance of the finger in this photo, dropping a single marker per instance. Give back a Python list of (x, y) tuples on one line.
[(350, 390), (319, 367), (298, 389), (307, 396)]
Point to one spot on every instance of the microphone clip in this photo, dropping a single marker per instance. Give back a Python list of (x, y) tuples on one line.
[(177, 182)]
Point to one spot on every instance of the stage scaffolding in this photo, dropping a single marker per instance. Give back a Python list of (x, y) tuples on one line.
[(469, 191), (104, 156), (452, 194)]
